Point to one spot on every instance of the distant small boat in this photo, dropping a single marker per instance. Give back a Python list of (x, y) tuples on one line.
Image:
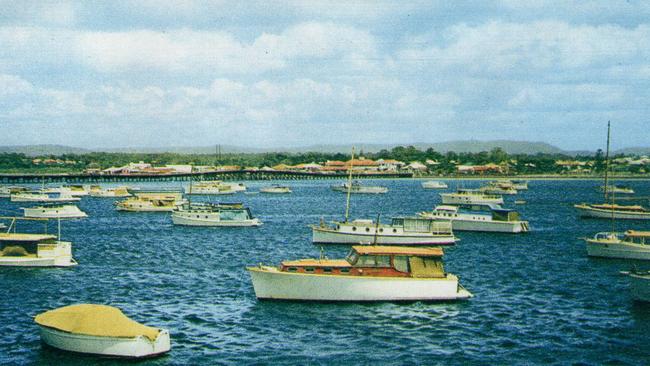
[(275, 189), (71, 190), (40, 197), (498, 189), (100, 330), (434, 184), (629, 245), (214, 187), (369, 273), (617, 189), (613, 211), (356, 187), (152, 201), (520, 202), (54, 212), (7, 191), (214, 214), (520, 185)]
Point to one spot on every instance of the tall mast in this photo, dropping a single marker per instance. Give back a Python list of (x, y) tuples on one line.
[(347, 200), (607, 166)]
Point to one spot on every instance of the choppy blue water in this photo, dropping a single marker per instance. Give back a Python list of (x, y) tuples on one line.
[(538, 298)]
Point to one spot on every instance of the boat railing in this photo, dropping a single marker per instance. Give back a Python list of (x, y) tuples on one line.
[(609, 236)]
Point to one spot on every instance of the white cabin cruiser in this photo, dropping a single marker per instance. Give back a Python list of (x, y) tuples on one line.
[(434, 184), (369, 273), (41, 197), (213, 214), (54, 212), (100, 330), (628, 245), (401, 231), (151, 201), (613, 211), (357, 187), (70, 190), (484, 218), (470, 197), (109, 192), (214, 187), (33, 250), (276, 188), (497, 189), (7, 191), (617, 189)]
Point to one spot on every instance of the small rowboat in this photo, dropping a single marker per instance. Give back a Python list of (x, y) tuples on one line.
[(100, 330)]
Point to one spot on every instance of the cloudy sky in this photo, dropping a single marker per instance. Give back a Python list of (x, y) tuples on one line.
[(293, 73)]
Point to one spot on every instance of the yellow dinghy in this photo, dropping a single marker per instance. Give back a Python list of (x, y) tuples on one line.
[(100, 330)]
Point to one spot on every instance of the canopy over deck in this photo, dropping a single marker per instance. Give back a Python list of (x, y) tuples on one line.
[(395, 250)]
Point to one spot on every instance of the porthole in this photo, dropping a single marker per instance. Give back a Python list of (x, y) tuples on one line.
[(354, 228), (381, 230), (394, 230), (367, 229)]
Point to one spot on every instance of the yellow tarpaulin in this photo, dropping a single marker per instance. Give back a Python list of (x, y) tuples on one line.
[(95, 320)]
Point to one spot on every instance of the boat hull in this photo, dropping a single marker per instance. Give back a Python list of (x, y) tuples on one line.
[(586, 211), (269, 283), (362, 190), (329, 236), (136, 347), (53, 214), (194, 221), (640, 287), (617, 249), (490, 226)]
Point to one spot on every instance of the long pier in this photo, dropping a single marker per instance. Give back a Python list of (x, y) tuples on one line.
[(179, 177)]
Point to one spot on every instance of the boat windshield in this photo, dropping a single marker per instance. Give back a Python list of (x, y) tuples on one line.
[(352, 257), (234, 215)]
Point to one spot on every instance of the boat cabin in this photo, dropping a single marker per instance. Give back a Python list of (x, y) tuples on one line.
[(25, 245), (377, 261), (227, 211), (615, 207), (637, 237), (421, 225)]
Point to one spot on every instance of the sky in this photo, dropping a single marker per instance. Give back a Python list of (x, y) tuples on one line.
[(296, 73)]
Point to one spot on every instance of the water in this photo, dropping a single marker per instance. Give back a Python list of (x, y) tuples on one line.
[(538, 298)]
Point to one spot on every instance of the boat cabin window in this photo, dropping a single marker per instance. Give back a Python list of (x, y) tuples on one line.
[(373, 261), (235, 215), (309, 269), (345, 270), (292, 269), (401, 263), (426, 267), (352, 257)]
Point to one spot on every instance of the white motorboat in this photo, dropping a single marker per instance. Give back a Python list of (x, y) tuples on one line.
[(71, 190), (519, 185), (496, 189), (275, 189), (357, 187), (100, 330), (617, 189), (434, 184), (628, 245), (613, 211), (640, 285), (488, 218), (33, 250), (401, 231), (148, 201), (214, 187), (213, 214), (54, 212), (369, 273), (41, 197), (470, 197), (116, 192)]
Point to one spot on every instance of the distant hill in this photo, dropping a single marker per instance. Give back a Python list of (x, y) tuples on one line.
[(39, 150), (474, 146)]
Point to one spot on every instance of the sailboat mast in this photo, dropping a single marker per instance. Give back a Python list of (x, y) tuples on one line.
[(607, 166), (347, 200)]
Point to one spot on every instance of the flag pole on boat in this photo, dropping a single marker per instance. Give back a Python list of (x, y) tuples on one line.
[(347, 200)]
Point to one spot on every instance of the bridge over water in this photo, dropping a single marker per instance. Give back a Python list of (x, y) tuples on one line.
[(220, 175)]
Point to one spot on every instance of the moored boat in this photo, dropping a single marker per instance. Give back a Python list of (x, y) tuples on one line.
[(357, 187), (54, 212), (613, 211), (41, 197), (434, 184), (470, 197), (617, 189), (109, 192), (213, 214), (401, 231), (369, 273), (276, 188), (69, 190), (498, 189), (7, 191), (484, 218), (34, 250), (214, 187), (100, 330), (520, 185), (628, 245)]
